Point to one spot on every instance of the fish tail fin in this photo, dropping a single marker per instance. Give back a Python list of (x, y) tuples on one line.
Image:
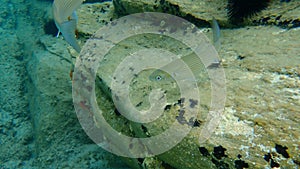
[(216, 34), (68, 31)]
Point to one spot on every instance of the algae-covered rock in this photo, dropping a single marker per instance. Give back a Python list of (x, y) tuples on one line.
[(261, 111), (59, 139), (201, 12), (286, 15), (15, 128), (259, 126), (96, 14)]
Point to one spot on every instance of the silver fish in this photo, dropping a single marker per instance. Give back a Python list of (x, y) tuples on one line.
[(65, 19), (194, 63), (191, 59)]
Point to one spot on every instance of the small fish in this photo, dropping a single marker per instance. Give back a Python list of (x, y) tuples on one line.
[(65, 19), (194, 63), (191, 60), (159, 75)]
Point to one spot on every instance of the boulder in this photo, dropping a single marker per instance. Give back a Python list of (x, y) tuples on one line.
[(259, 125)]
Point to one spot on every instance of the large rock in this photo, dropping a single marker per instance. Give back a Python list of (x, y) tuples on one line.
[(59, 137), (16, 131), (262, 108), (99, 14), (38, 124), (198, 12), (259, 127), (201, 12)]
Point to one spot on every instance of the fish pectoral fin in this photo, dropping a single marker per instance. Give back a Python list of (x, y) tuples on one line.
[(58, 33)]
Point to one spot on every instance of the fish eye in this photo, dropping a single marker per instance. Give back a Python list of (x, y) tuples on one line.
[(158, 77)]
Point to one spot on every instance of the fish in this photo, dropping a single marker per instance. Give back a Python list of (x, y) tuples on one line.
[(191, 59), (194, 63), (65, 19)]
